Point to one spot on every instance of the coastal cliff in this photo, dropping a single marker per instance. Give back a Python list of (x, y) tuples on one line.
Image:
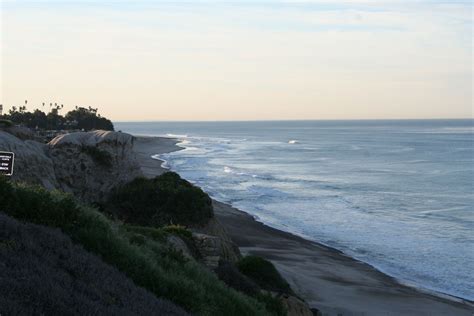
[(86, 164), (89, 166)]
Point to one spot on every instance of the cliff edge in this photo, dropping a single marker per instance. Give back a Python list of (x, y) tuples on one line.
[(86, 164)]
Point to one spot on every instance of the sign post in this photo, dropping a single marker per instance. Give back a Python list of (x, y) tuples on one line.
[(7, 160)]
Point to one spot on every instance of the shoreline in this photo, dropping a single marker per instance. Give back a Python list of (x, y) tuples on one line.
[(327, 278)]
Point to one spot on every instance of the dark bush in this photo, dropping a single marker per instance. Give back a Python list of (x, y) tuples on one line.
[(149, 263), (38, 205), (44, 273), (6, 123), (101, 157), (178, 230), (164, 200), (272, 304), (88, 119), (156, 234), (264, 273), (230, 275), (161, 234)]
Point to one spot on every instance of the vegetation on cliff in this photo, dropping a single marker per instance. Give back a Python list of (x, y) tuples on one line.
[(166, 199), (101, 157), (264, 273), (44, 273), (5, 123), (150, 263)]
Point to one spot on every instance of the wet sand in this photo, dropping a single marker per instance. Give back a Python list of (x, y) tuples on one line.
[(145, 147), (326, 278)]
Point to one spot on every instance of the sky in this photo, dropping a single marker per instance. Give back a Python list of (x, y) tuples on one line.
[(240, 60)]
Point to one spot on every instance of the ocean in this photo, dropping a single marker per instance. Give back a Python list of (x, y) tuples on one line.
[(397, 194)]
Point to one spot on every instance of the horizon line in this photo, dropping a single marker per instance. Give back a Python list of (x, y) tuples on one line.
[(292, 120)]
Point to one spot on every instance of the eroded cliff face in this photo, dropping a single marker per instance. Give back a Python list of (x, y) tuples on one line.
[(86, 164), (32, 162), (90, 164)]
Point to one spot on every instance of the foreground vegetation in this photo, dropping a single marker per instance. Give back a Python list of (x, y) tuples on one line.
[(141, 255), (44, 273)]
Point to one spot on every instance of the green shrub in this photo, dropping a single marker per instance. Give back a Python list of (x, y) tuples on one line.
[(178, 230), (160, 234), (149, 263), (156, 234), (36, 204), (101, 157), (230, 275), (272, 304), (164, 200), (6, 123), (264, 273)]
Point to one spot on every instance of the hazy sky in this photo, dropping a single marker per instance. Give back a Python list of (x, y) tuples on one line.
[(241, 60)]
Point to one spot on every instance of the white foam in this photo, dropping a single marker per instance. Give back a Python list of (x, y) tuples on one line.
[(164, 163), (177, 135)]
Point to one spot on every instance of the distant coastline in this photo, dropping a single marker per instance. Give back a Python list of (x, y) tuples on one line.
[(325, 277)]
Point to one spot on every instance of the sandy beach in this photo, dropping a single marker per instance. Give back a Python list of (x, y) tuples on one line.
[(326, 278), (145, 147)]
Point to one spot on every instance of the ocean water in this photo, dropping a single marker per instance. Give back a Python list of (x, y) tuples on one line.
[(398, 195)]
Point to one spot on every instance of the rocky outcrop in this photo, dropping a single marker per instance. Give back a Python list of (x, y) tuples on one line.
[(32, 162), (90, 164), (209, 248), (214, 244), (294, 306), (180, 246)]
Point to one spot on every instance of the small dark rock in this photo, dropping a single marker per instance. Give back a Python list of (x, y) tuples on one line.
[(316, 312)]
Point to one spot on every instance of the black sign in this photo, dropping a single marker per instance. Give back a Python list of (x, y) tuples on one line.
[(6, 163)]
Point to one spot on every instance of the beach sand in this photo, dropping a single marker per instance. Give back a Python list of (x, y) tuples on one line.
[(326, 278), (145, 147)]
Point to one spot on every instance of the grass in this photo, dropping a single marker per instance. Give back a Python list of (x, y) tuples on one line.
[(149, 263)]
